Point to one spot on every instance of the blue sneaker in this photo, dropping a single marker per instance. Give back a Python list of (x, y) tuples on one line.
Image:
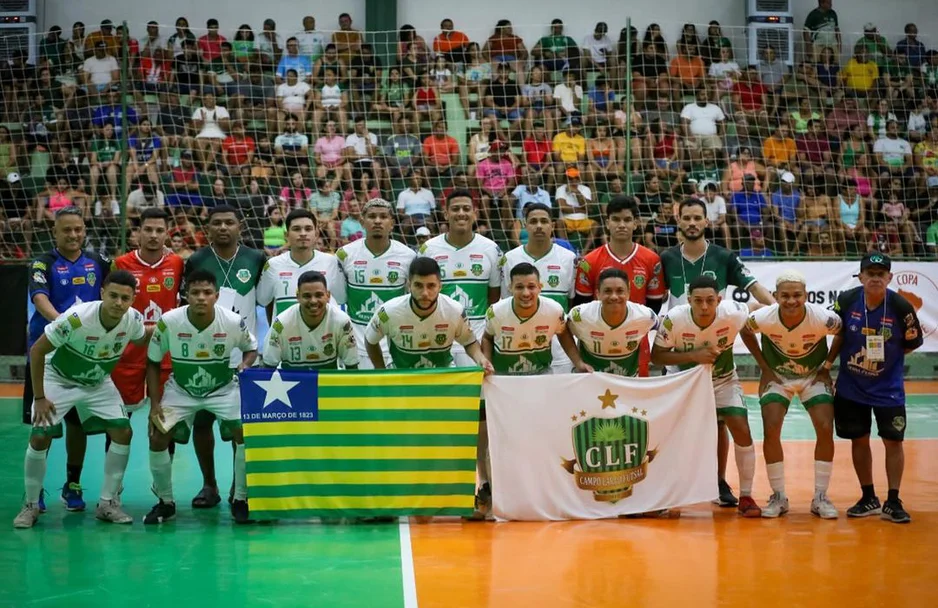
[(42, 501), (71, 496)]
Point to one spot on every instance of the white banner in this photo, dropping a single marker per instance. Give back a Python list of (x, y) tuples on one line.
[(592, 446), (917, 281)]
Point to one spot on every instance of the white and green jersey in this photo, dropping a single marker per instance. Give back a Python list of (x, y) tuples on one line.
[(609, 349), (373, 279), (799, 351), (522, 346), (85, 352), (417, 342), (292, 344), (468, 273), (200, 358), (678, 331), (557, 269), (281, 273)]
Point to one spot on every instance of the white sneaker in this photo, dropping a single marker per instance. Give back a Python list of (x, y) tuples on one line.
[(110, 510), (777, 506), (823, 507), (28, 516)]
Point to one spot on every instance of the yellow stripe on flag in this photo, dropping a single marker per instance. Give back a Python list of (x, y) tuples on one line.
[(361, 428), (399, 379), (360, 477), (360, 453), (399, 403), (361, 502)]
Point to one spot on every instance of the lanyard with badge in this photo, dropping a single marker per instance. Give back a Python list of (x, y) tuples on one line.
[(703, 266), (875, 342), (226, 293)]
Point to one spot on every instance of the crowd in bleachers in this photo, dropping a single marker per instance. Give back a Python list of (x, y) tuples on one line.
[(822, 158)]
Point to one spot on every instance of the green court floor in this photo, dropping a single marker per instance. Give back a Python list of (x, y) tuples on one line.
[(202, 559)]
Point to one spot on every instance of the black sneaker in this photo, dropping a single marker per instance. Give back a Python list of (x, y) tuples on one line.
[(865, 507), (893, 511), (240, 512), (726, 498), (483, 503), (161, 512)]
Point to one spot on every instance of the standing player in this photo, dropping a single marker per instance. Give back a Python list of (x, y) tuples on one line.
[(199, 338), (58, 280), (698, 257), (610, 329), (878, 328), (468, 265), (237, 269), (794, 347), (375, 269), (422, 326), (703, 332), (278, 283), (555, 265), (640, 264), (158, 272), (80, 348), (311, 334)]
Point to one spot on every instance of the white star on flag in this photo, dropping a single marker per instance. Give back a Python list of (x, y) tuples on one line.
[(276, 389)]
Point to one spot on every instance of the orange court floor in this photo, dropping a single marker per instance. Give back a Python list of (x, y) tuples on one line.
[(706, 557)]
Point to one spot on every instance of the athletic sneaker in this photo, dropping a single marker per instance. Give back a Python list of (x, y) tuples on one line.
[(71, 496), (823, 507), (748, 507), (726, 498), (865, 507), (42, 501), (110, 510), (777, 506), (894, 512), (483, 503), (240, 512), (161, 511), (28, 516)]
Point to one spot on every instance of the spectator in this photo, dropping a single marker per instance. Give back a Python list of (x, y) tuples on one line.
[(574, 200), (814, 154), (599, 53), (312, 42), (850, 213), (816, 215), (556, 51), (926, 160), (663, 112), (104, 160), (100, 70), (451, 43), (422, 235), (757, 248), (711, 51), (440, 151), (530, 191), (330, 102), (188, 70), (291, 148), (649, 72), (503, 98), (786, 210), (772, 70), (275, 235), (210, 43), (899, 80), (147, 155), (602, 104), (329, 61), (724, 72), (828, 75), (269, 44), (9, 152), (474, 78), (348, 41), (329, 154), (113, 112), (687, 69), (893, 154), (930, 73), (661, 231), (568, 96), (495, 178), (296, 195), (876, 121), (537, 149), (716, 213), (243, 44), (295, 61), (703, 125), (179, 246), (426, 102), (416, 204), (238, 149), (667, 153), (365, 74), (176, 42), (408, 40), (602, 156), (750, 207), (844, 117), (822, 30), (860, 74), (352, 229), (918, 121), (750, 99), (54, 48), (395, 97), (325, 204), (184, 183), (912, 47), (875, 46), (504, 47), (802, 116), (294, 96), (402, 150), (569, 147), (780, 150), (362, 151), (538, 100), (211, 124), (106, 35)]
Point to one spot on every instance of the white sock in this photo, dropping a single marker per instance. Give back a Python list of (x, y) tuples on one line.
[(776, 473), (115, 463), (822, 476), (746, 465), (240, 473), (161, 467), (34, 472)]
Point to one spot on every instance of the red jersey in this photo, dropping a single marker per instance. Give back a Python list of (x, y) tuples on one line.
[(157, 292), (643, 266), (537, 152)]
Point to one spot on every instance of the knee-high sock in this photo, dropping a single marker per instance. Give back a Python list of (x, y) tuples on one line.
[(115, 463), (822, 476), (240, 474), (161, 467), (746, 465), (34, 472), (776, 473)]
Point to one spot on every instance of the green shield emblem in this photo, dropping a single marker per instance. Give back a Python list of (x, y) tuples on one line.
[(244, 275), (540, 340), (219, 350), (328, 350), (92, 278), (441, 339), (632, 345), (393, 276), (639, 280), (168, 282), (612, 456), (553, 280), (476, 269)]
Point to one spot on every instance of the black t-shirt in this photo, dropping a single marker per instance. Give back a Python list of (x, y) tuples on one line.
[(504, 93), (649, 66), (665, 233), (187, 70), (367, 68)]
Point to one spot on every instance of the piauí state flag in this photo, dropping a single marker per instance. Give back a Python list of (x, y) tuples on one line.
[(360, 443)]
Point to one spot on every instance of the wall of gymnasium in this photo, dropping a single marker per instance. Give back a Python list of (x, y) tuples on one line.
[(477, 17)]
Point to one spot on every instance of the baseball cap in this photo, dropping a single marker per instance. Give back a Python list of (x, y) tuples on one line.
[(788, 177), (573, 172), (869, 27), (107, 23), (875, 259), (422, 231)]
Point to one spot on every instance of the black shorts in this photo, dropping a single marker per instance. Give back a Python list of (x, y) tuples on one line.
[(852, 420)]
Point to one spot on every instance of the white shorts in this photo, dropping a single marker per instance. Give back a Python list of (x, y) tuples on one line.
[(728, 395), (561, 362), (180, 409), (99, 407), (460, 358), (810, 391), (364, 361)]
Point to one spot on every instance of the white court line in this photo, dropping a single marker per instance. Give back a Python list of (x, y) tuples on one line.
[(407, 566)]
